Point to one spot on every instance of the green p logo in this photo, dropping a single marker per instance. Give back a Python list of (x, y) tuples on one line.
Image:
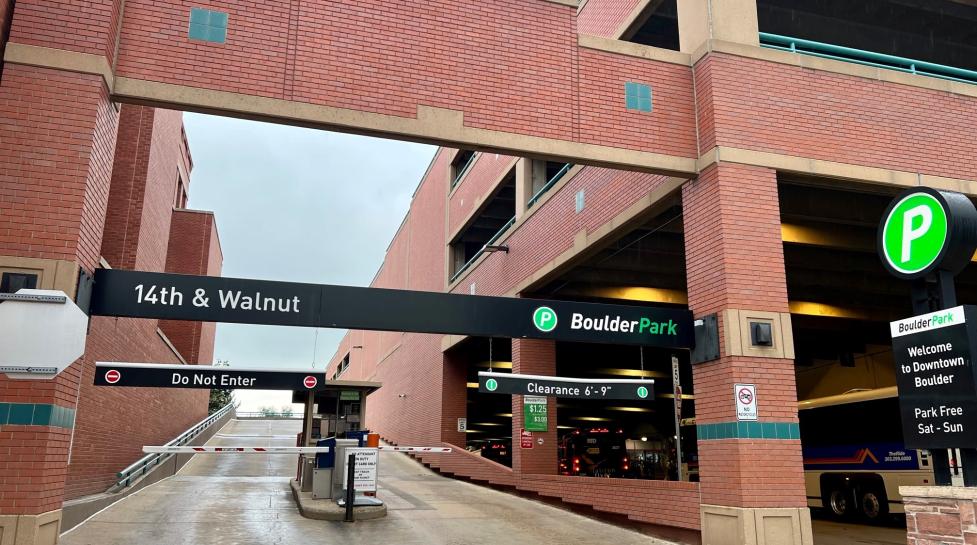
[(914, 233), (544, 319), (642, 392), (491, 384)]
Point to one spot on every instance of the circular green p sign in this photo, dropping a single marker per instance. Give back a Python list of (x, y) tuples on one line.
[(914, 233), (544, 319), (491, 384)]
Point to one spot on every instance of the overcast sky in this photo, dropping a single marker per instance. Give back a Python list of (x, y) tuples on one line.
[(297, 205)]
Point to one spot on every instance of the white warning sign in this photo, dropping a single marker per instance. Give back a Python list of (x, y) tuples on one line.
[(745, 395), (365, 472)]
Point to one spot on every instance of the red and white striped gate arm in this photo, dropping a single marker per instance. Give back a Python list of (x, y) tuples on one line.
[(233, 450), (414, 449)]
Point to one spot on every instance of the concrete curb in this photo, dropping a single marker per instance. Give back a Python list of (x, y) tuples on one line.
[(328, 510)]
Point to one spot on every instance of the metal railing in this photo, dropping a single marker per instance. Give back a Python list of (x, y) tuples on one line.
[(867, 58), (492, 240), (265, 414), (549, 184), (143, 465), (463, 170)]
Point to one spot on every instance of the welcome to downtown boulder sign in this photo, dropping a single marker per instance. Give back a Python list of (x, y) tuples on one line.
[(934, 358)]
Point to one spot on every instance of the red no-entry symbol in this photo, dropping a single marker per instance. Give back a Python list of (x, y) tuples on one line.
[(112, 376), (746, 396), (310, 381)]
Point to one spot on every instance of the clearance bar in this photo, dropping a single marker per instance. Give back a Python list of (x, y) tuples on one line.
[(136, 294)]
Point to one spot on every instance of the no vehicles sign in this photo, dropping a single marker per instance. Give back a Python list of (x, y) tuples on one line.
[(746, 405)]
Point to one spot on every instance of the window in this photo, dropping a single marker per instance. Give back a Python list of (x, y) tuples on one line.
[(181, 194), (637, 96), (207, 25), (460, 164), (343, 365), (12, 282)]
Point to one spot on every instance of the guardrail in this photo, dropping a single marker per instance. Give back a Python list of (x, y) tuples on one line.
[(549, 184), (492, 240), (258, 414), (868, 58), (143, 465)]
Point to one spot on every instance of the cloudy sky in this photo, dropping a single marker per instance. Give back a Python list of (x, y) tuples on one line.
[(297, 205)]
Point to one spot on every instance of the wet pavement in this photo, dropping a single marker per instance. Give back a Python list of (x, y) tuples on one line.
[(245, 499), (828, 532)]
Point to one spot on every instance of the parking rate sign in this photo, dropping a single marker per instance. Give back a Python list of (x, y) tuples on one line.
[(535, 415)]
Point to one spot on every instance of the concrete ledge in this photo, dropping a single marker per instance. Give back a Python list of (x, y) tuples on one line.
[(328, 510), (939, 492)]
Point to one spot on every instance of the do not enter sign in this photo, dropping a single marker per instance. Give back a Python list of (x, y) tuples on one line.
[(112, 376), (310, 381)]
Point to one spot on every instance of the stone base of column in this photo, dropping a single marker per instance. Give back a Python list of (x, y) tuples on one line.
[(40, 529), (723, 525), (940, 514)]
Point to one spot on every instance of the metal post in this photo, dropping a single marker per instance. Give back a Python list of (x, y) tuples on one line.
[(677, 391), (929, 297), (350, 487)]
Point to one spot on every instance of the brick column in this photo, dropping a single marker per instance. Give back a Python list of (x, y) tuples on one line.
[(534, 357), (751, 473), (57, 139), (454, 397)]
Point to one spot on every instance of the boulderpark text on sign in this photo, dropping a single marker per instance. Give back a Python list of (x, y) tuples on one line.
[(934, 370), (215, 299)]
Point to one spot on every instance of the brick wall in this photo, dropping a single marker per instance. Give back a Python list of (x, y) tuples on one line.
[(604, 17), (835, 117), (113, 424), (57, 162), (193, 249)]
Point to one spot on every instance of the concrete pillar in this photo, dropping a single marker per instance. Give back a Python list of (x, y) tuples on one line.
[(524, 184), (534, 357), (57, 139), (454, 397), (752, 479), (726, 20)]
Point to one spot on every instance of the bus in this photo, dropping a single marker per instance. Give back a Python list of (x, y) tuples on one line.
[(854, 456)]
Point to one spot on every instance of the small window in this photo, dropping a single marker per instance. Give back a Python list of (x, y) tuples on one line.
[(637, 96), (208, 25), (12, 282), (460, 164)]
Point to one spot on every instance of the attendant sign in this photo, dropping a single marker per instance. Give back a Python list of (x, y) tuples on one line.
[(214, 299), (151, 375), (934, 371), (576, 388)]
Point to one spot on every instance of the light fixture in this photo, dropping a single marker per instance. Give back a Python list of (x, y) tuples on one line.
[(358, 346), (644, 437), (500, 248), (402, 395)]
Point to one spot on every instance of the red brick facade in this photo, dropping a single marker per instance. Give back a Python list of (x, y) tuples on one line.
[(68, 192)]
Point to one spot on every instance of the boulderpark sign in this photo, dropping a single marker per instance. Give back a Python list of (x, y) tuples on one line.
[(928, 236), (216, 299)]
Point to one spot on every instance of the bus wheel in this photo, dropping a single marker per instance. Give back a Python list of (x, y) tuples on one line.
[(873, 505), (838, 502)]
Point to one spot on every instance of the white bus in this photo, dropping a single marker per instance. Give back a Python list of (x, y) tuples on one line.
[(854, 457)]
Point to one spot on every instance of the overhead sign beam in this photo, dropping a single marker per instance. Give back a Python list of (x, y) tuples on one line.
[(576, 388), (151, 375), (213, 299)]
